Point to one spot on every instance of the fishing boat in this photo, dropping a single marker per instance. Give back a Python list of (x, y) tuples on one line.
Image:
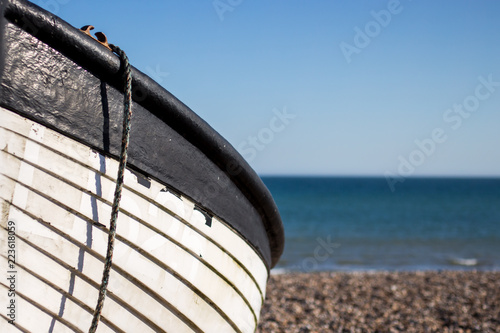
[(197, 230)]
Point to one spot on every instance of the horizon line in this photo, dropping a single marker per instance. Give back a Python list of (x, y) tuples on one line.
[(311, 175)]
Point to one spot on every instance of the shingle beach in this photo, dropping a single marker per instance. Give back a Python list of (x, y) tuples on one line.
[(448, 301)]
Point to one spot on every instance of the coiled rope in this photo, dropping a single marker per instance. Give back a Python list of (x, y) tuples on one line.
[(127, 104)]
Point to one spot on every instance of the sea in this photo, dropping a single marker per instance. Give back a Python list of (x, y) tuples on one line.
[(362, 224)]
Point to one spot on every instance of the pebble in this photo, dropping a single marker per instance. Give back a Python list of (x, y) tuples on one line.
[(445, 301)]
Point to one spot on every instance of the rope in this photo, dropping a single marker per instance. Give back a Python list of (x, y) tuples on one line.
[(127, 103)]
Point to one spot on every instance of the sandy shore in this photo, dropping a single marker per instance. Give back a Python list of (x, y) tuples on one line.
[(382, 302)]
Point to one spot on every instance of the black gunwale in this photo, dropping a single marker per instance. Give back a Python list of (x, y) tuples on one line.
[(99, 61)]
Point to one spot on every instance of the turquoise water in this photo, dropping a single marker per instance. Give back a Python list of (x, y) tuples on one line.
[(360, 224)]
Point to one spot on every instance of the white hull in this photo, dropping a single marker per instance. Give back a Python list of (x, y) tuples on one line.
[(171, 271)]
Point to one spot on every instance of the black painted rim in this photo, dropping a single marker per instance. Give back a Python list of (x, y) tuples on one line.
[(102, 63)]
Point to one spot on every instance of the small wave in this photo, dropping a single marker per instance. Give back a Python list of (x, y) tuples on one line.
[(464, 261), (279, 271)]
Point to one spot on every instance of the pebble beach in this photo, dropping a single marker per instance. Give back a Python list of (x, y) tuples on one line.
[(429, 301)]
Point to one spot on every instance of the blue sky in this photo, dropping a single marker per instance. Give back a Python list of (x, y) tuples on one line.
[(380, 88)]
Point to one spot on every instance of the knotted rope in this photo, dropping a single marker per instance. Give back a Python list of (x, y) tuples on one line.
[(127, 103)]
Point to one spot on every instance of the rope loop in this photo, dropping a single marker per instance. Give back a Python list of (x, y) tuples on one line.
[(127, 105)]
